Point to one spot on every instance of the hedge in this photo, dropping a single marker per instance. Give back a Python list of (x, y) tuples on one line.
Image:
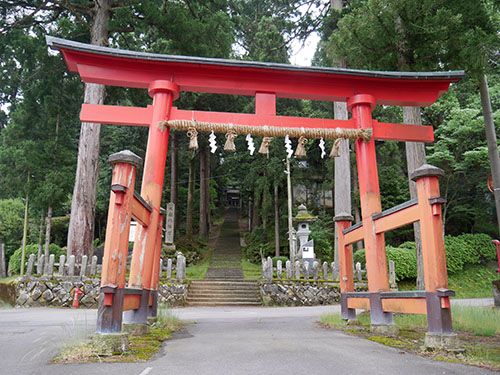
[(15, 259), (460, 250)]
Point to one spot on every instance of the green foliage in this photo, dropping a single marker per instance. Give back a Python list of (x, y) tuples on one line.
[(323, 234), (256, 249), (405, 261), (11, 224), (15, 259), (461, 251), (191, 249), (481, 245)]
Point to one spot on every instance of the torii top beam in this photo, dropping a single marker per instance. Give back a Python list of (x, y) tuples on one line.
[(117, 67)]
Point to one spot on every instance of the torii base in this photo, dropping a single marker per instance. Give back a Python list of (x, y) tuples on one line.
[(446, 341)]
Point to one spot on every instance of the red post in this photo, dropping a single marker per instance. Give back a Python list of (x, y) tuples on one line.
[(440, 331), (345, 266), (376, 262), (114, 263), (155, 277), (144, 253)]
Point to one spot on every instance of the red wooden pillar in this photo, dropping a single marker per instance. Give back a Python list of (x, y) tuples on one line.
[(376, 262), (440, 330), (346, 269), (114, 262), (155, 277), (143, 257)]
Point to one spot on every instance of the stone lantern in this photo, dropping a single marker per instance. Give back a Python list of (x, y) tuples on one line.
[(305, 247)]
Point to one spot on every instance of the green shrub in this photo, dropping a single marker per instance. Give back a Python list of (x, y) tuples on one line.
[(405, 261), (482, 246), (408, 245), (15, 259), (456, 253), (323, 234)]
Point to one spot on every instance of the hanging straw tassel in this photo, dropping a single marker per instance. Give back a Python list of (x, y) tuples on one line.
[(301, 147), (264, 146), (230, 136), (335, 149), (192, 133)]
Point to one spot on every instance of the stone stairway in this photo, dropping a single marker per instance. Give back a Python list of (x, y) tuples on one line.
[(224, 283), (223, 292)]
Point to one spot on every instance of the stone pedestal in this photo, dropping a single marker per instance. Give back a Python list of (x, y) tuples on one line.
[(447, 341), (384, 329), (106, 344), (136, 329)]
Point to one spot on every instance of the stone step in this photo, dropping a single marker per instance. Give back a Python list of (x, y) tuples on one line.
[(224, 303), (224, 282), (222, 293), (216, 288), (234, 301)]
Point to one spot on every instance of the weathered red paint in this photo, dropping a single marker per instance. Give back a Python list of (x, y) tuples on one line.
[(114, 261), (369, 192), (152, 183)]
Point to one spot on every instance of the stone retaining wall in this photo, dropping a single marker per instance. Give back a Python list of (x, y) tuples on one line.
[(302, 292), (58, 292)]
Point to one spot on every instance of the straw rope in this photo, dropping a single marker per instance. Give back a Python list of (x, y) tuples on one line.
[(269, 131)]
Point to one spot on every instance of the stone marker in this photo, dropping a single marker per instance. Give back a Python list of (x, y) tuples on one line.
[(50, 266), (305, 268), (31, 264), (169, 223), (71, 265), (335, 275), (359, 276), (279, 269), (83, 268), (180, 267), (289, 271), (3, 272), (169, 268), (160, 269), (93, 266), (325, 271), (62, 261), (269, 269), (39, 265), (297, 269), (315, 270), (392, 275)]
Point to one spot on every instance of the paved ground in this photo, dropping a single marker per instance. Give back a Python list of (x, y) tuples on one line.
[(221, 340)]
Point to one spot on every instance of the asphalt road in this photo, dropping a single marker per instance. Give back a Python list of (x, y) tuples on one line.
[(232, 340)]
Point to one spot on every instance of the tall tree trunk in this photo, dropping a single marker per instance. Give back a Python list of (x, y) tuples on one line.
[(276, 221), (190, 197), (48, 228), (256, 209), (415, 157), (203, 231), (342, 179), (174, 168), (40, 236), (81, 225), (491, 139)]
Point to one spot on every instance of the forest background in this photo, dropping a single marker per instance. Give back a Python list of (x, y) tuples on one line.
[(40, 103)]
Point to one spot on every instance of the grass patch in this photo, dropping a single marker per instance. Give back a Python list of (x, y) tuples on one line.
[(197, 271), (142, 348), (474, 281), (476, 320), (250, 270), (478, 329)]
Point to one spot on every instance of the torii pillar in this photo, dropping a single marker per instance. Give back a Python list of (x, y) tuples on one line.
[(146, 251)]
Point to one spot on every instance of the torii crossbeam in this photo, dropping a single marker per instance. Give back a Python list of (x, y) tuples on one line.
[(164, 76)]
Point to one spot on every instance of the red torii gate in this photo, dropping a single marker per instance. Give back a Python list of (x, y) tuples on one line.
[(165, 76)]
